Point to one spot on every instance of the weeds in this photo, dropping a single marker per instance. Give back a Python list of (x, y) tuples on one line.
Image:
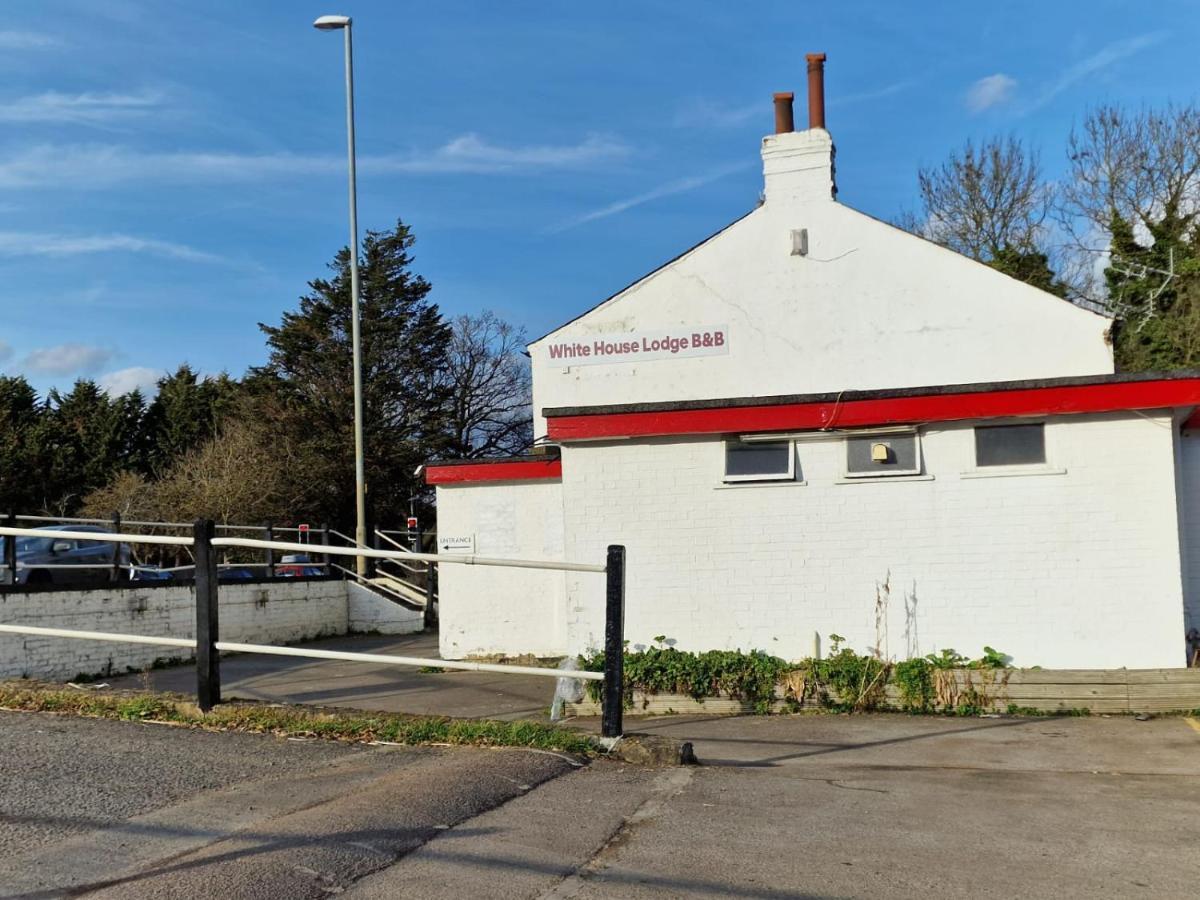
[(845, 681), (292, 722)]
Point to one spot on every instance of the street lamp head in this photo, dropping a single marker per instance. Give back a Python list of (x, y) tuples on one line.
[(332, 23)]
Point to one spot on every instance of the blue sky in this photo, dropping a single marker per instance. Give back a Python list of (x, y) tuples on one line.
[(172, 173)]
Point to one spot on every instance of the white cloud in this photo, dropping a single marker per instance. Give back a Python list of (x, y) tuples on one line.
[(19, 243), (87, 166), (711, 114), (994, 90), (26, 40), (5, 351), (678, 186), (79, 109), (471, 153), (1101, 59), (887, 90), (67, 359), (123, 381)]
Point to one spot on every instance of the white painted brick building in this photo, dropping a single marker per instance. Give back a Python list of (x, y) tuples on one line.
[(812, 410)]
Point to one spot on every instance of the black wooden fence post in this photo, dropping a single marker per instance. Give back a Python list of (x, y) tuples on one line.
[(116, 548), (614, 643), (269, 530), (208, 666), (10, 548), (325, 542)]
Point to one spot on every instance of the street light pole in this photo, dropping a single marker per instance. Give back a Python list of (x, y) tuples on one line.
[(330, 23)]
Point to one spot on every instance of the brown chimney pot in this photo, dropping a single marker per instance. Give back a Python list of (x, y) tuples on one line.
[(784, 122), (816, 90)]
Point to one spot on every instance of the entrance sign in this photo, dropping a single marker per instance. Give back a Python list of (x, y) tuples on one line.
[(669, 343), (456, 544)]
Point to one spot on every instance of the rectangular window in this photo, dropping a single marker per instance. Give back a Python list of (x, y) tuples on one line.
[(765, 461), (1010, 445), (882, 454)]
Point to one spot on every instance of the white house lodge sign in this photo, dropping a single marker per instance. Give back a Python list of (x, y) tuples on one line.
[(671, 343)]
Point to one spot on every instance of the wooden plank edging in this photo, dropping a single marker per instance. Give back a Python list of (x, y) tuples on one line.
[(1044, 690)]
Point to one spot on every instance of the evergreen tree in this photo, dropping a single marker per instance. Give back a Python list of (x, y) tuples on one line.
[(1030, 266), (1154, 292), (18, 415), (1135, 177), (306, 388), (187, 411)]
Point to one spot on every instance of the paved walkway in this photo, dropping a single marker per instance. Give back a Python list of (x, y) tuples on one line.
[(282, 679)]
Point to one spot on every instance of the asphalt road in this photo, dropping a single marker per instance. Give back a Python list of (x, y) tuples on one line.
[(786, 807), (129, 810)]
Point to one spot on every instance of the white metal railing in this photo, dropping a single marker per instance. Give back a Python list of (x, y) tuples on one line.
[(273, 650), (169, 540), (207, 643), (403, 565), (375, 585), (82, 520), (463, 559)]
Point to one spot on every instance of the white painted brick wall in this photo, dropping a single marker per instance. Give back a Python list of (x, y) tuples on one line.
[(367, 611), (1080, 569), (278, 613), (485, 610)]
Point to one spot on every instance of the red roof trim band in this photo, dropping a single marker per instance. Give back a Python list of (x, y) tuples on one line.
[(521, 470), (1039, 401)]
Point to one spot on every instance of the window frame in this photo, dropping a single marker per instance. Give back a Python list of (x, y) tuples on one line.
[(918, 455), (1042, 465), (778, 477)]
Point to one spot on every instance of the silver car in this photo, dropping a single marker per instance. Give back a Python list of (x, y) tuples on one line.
[(52, 560)]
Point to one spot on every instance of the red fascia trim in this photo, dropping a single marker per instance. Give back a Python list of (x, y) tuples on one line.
[(1043, 401), (524, 470)]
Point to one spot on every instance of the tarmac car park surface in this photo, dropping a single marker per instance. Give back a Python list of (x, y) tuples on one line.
[(793, 806)]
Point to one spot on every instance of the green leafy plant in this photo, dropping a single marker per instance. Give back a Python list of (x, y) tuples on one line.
[(914, 681), (845, 681), (991, 659), (848, 682), (660, 669)]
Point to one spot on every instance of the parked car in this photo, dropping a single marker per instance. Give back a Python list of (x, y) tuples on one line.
[(297, 565), (151, 573), (298, 571), (235, 573), (51, 560)]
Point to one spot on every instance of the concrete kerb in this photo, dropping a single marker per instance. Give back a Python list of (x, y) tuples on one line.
[(650, 750)]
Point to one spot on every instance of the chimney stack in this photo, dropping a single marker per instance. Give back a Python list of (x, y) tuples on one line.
[(784, 122), (816, 91), (798, 165)]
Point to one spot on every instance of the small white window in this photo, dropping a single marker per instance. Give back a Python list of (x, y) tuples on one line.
[(874, 455), (760, 461), (1010, 445)]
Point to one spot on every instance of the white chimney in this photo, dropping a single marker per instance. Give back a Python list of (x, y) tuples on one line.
[(798, 165)]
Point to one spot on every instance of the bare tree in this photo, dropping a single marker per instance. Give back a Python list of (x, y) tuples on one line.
[(1138, 171), (241, 475), (490, 386), (128, 493), (1140, 166), (984, 201)]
